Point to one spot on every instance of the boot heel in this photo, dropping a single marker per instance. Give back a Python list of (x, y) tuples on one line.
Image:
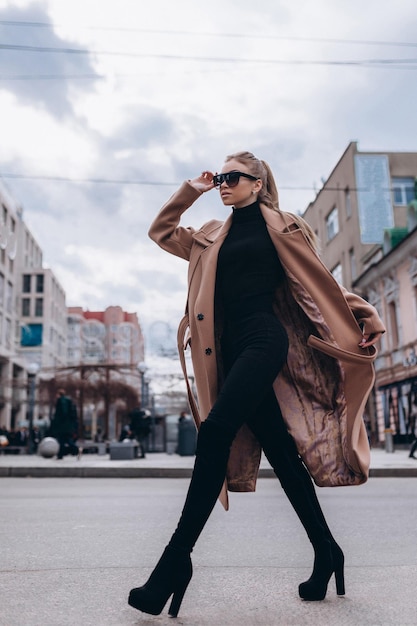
[(340, 581), (170, 577), (177, 599)]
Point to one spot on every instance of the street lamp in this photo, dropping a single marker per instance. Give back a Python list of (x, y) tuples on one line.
[(32, 369), (142, 367)]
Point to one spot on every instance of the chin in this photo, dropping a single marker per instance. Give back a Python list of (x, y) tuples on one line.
[(227, 201)]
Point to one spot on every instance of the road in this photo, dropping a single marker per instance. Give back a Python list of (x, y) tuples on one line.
[(72, 548)]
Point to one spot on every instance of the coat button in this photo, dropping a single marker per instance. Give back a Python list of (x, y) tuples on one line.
[(208, 351), (200, 316)]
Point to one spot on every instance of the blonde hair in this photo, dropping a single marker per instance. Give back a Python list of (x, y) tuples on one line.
[(268, 194)]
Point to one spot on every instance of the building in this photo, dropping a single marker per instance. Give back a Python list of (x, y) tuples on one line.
[(106, 345), (365, 194), (43, 318), (365, 218), (13, 376), (32, 314), (111, 336), (390, 285)]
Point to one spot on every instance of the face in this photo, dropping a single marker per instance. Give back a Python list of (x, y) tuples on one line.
[(245, 192)]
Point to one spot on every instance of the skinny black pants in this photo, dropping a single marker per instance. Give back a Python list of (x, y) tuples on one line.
[(254, 349)]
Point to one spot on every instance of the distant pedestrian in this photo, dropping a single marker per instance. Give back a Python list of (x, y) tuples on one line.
[(141, 427), (413, 449), (64, 426), (183, 416)]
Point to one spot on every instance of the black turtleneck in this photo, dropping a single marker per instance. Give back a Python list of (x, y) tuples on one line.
[(248, 269)]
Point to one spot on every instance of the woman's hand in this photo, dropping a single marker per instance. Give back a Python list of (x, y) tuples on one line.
[(369, 340), (204, 182)]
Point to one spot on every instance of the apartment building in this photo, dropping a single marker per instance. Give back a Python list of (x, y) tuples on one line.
[(366, 220), (32, 313), (366, 195), (112, 336), (106, 346), (390, 285)]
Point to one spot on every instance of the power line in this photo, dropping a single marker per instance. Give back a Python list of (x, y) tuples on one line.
[(182, 33), (96, 181), (115, 181), (390, 63)]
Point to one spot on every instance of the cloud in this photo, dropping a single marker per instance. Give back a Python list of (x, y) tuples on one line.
[(162, 120), (53, 95)]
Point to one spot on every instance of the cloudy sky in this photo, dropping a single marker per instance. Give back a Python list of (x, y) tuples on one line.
[(106, 107)]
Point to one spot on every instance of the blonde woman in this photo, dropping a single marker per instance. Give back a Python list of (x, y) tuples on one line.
[(282, 358)]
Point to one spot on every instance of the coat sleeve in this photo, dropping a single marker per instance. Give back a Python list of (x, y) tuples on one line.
[(365, 313), (164, 229)]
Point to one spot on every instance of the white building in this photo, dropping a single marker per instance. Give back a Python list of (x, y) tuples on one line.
[(32, 313)]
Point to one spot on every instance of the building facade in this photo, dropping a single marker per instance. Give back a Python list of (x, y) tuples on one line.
[(391, 286), (32, 314), (108, 347), (365, 219), (112, 336), (366, 194)]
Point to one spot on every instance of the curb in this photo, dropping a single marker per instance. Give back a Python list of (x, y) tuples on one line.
[(155, 472)]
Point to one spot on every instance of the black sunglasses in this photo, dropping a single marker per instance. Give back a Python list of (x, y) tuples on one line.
[(230, 178)]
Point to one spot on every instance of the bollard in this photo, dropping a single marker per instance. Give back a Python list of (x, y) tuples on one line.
[(389, 441)]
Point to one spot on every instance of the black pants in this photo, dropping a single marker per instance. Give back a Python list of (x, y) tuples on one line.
[(254, 350), (66, 446)]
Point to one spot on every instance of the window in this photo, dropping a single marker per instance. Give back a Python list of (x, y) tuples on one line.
[(332, 224), (9, 297), (348, 203), (8, 333), (403, 191), (39, 307), (26, 283), (39, 283), (393, 324), (337, 273), (26, 307), (352, 262), (31, 335), (1, 289)]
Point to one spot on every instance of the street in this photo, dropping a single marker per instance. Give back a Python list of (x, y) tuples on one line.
[(72, 548)]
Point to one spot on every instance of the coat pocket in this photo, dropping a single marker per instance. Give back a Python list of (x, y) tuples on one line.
[(339, 353)]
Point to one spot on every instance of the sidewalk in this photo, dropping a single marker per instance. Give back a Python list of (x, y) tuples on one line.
[(162, 465)]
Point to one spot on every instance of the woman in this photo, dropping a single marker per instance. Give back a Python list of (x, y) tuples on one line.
[(280, 363)]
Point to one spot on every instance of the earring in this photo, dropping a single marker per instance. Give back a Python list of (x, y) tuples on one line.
[(253, 191)]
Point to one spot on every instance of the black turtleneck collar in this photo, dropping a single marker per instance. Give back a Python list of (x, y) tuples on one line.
[(247, 213)]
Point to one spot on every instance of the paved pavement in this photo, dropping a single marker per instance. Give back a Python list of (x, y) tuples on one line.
[(161, 465), (71, 550)]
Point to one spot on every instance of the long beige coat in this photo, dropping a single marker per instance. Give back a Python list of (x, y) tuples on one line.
[(323, 388)]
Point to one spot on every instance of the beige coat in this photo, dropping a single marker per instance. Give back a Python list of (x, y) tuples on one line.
[(323, 388)]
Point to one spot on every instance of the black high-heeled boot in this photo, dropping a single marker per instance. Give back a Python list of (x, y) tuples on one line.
[(315, 588), (336, 551), (281, 451), (173, 572), (170, 577)]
